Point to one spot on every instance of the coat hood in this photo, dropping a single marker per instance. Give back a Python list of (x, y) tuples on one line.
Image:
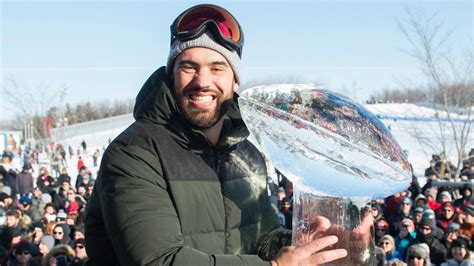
[(156, 103)]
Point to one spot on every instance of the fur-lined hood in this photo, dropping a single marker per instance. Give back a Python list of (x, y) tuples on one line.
[(64, 249)]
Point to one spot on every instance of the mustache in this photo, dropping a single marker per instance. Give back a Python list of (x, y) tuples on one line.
[(193, 89)]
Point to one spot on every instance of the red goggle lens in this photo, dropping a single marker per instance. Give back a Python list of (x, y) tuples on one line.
[(196, 17)]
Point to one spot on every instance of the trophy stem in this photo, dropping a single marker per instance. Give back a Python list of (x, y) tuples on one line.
[(350, 220)]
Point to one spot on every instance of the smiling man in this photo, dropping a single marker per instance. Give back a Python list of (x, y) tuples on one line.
[(182, 185)]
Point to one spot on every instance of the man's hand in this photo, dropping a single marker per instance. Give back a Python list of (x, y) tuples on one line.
[(312, 253)]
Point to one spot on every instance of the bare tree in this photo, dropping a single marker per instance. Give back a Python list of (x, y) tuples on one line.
[(450, 82), (29, 103)]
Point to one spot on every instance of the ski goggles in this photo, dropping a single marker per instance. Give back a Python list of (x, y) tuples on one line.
[(196, 20)]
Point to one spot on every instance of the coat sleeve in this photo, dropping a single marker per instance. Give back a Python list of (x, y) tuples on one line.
[(139, 216)]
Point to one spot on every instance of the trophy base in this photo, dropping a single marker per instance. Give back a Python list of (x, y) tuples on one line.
[(351, 220)]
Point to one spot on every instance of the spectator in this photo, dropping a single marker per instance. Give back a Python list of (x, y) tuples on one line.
[(24, 180), (459, 254), (387, 243), (425, 235), (80, 250), (418, 255), (420, 201), (59, 255), (381, 228), (452, 233), (24, 254), (84, 146), (64, 177), (466, 219), (286, 210), (46, 244), (405, 237), (80, 163), (61, 234), (447, 215), (466, 192), (46, 183), (404, 212)]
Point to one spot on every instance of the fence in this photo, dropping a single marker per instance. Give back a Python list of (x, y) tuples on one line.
[(90, 127)]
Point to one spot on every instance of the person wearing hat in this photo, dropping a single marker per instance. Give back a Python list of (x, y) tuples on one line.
[(59, 255), (459, 253), (446, 215), (404, 212), (81, 253), (182, 184), (24, 180), (452, 233), (466, 219), (418, 255), (46, 244), (405, 237), (466, 192), (425, 235), (24, 254)]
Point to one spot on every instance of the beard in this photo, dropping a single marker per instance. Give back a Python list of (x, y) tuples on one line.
[(203, 118)]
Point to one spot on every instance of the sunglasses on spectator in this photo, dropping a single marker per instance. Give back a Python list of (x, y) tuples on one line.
[(405, 225), (57, 233), (385, 243), (79, 246), (23, 252)]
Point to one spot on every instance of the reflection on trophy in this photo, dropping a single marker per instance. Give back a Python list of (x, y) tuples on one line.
[(338, 155)]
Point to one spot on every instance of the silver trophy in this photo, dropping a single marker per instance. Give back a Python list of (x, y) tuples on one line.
[(338, 155)]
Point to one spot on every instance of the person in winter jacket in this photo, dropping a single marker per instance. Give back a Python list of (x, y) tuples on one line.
[(447, 215), (425, 235), (459, 254), (182, 185), (405, 237), (418, 255), (24, 180)]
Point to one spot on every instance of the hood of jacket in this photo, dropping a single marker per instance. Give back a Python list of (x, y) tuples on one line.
[(156, 103)]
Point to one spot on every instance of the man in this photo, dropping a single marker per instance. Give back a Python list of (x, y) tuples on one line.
[(182, 185), (425, 235)]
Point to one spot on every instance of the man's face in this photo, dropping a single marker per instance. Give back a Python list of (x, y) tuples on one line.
[(405, 207), (12, 221), (204, 85), (458, 253), (425, 230)]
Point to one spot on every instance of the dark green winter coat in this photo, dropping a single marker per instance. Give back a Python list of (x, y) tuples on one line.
[(165, 195)]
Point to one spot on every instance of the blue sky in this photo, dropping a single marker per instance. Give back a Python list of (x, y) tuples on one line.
[(107, 49)]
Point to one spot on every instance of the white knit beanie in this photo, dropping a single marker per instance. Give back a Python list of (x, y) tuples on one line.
[(205, 40)]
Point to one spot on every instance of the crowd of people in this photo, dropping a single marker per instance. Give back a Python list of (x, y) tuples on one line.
[(42, 212), (431, 224)]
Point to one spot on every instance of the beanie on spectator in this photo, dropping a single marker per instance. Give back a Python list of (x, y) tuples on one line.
[(421, 250), (425, 221), (462, 242), (48, 241), (418, 210), (469, 209), (453, 227), (446, 194), (407, 200)]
